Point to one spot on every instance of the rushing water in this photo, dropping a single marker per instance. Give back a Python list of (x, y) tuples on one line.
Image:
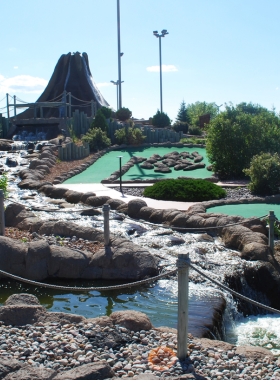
[(158, 300)]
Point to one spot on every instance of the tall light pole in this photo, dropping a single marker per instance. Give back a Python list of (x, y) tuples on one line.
[(116, 84), (164, 32), (119, 53), (218, 107)]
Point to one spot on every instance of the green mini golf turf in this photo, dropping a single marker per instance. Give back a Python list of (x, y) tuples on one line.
[(247, 210), (109, 163)]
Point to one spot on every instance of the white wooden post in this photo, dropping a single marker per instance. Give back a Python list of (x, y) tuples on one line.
[(106, 215), (271, 220), (2, 214), (183, 307)]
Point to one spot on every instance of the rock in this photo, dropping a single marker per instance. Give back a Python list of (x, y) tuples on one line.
[(147, 165), (209, 168), (173, 240), (5, 145), (9, 365), (43, 168), (85, 196), (32, 373), (194, 167), (11, 162), (180, 166), (91, 371), (205, 237), (73, 196), (97, 201), (57, 192), (22, 299), (134, 207), (210, 344), (162, 170), (253, 353), (157, 217), (255, 251), (169, 162), (132, 320), (91, 212), (46, 189), (145, 213), (146, 376), (180, 220), (115, 203), (36, 260), (123, 209)]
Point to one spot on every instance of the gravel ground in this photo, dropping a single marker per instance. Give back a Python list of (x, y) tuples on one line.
[(73, 242), (242, 192), (128, 353)]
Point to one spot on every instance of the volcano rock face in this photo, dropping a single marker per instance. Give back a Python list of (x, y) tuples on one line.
[(71, 74)]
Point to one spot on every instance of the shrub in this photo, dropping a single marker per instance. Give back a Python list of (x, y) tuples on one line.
[(4, 184), (185, 190), (181, 126), (97, 139), (72, 133), (264, 172), (100, 121), (160, 120), (123, 114), (107, 112), (195, 131), (235, 137), (129, 136)]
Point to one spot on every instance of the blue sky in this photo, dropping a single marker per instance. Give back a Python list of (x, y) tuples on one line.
[(217, 51)]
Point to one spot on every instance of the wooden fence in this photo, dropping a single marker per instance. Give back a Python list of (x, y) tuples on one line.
[(4, 126), (73, 152)]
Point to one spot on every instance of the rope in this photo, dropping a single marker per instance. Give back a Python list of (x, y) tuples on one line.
[(271, 309), (78, 289), (183, 228)]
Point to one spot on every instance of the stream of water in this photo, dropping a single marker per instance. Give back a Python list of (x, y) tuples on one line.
[(157, 300)]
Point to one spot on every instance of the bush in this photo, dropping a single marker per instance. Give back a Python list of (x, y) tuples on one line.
[(264, 172), (97, 139), (195, 131), (181, 126), (100, 122), (160, 120), (4, 184), (235, 137), (129, 136), (107, 112), (123, 114), (184, 190)]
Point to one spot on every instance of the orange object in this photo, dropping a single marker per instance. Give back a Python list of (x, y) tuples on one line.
[(162, 358)]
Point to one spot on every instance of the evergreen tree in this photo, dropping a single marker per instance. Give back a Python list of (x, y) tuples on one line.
[(100, 121), (183, 113)]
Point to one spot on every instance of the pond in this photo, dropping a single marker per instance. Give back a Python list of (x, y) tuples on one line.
[(109, 163)]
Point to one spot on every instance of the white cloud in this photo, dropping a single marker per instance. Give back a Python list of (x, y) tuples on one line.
[(166, 68), (22, 83), (15, 67), (103, 84), (277, 88)]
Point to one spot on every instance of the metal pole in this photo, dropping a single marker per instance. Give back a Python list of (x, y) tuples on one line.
[(117, 96), (106, 214), (121, 174), (2, 214), (160, 70), (271, 219), (119, 53), (183, 308), (15, 109), (8, 111)]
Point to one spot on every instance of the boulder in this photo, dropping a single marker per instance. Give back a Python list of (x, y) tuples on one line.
[(16, 213), (131, 320), (157, 217), (57, 192), (44, 168), (145, 213), (91, 371), (32, 373), (97, 201), (255, 251), (46, 189), (9, 365), (11, 162), (22, 299), (5, 145), (85, 196), (134, 207), (162, 170), (147, 165), (194, 167), (115, 203), (36, 260), (209, 168), (180, 166), (253, 352), (180, 220), (73, 196)]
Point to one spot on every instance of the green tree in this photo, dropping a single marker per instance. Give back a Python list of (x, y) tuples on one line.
[(183, 114), (130, 136), (97, 139), (197, 109), (234, 137), (100, 122), (107, 112), (160, 120), (123, 114)]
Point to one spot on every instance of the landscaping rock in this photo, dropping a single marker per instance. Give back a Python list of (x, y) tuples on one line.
[(32, 373), (91, 371), (22, 299), (115, 203), (97, 201), (11, 162), (73, 196), (85, 196), (194, 167), (57, 192), (145, 213), (132, 320), (162, 170), (5, 145), (134, 207), (147, 165)]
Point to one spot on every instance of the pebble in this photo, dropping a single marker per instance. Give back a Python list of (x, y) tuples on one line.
[(69, 346)]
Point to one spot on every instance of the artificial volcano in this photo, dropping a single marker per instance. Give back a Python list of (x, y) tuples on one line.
[(71, 74)]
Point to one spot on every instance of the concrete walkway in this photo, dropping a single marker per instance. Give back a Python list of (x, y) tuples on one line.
[(100, 189)]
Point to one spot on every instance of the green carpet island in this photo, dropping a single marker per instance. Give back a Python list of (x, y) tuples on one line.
[(247, 210), (109, 163)]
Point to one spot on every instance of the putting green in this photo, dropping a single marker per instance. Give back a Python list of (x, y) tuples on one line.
[(247, 210), (109, 163)]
